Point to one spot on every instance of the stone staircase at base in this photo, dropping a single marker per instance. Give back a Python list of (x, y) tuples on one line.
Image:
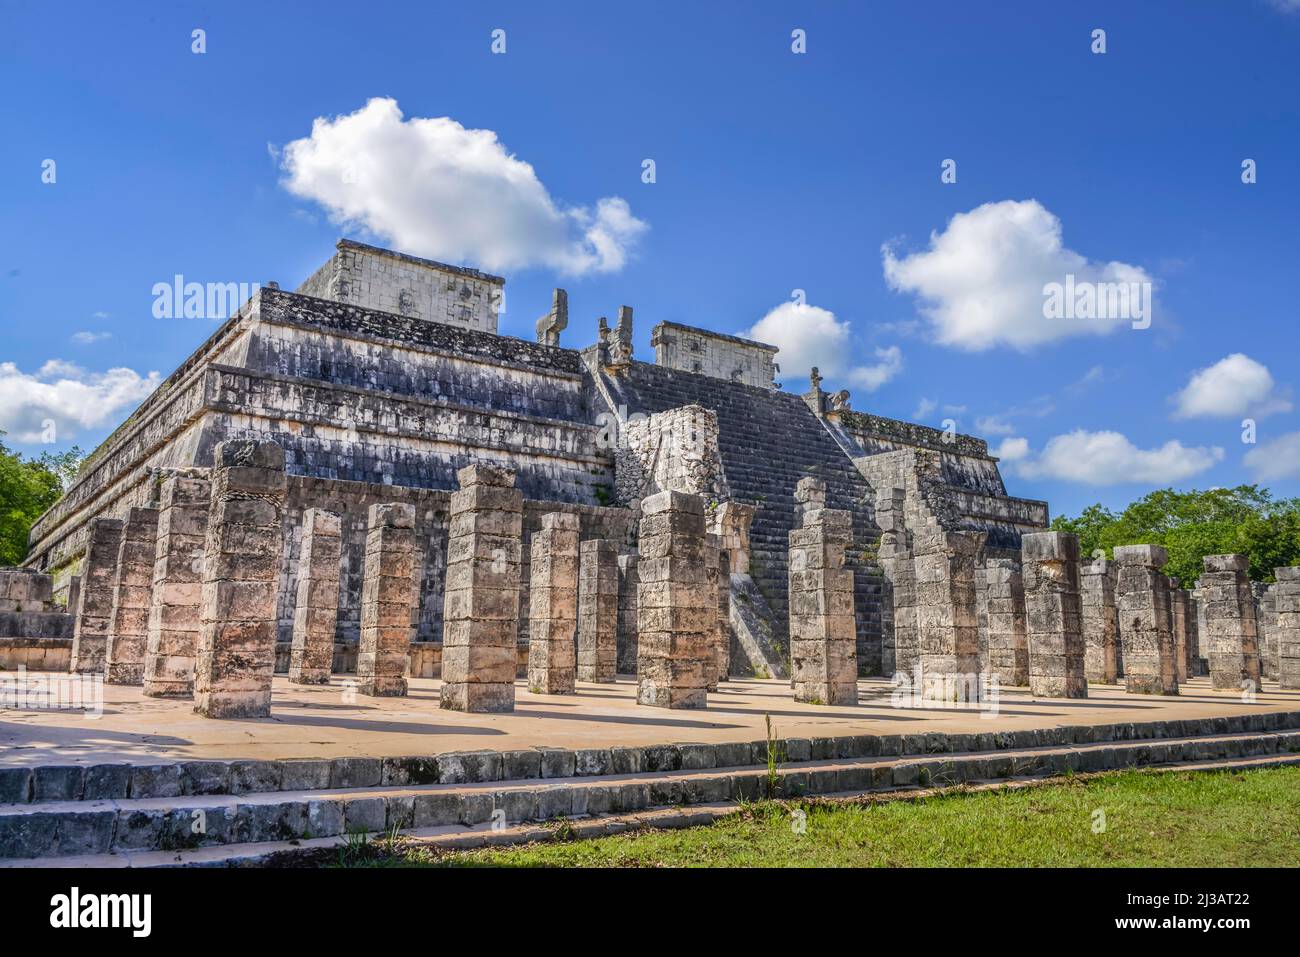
[(255, 808)]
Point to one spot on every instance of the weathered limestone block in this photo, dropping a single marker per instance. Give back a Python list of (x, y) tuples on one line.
[(132, 596), (823, 639), (388, 599), (1286, 598), (674, 606), (95, 609), (1050, 564), (1192, 622), (712, 559), (553, 605), (947, 627), (628, 578), (315, 615), (241, 577), (173, 639), (900, 645), (598, 611), (1100, 620), (1232, 637), (1008, 639), (481, 609), (1144, 625)]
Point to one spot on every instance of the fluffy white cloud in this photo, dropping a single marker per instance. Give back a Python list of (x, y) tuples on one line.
[(993, 425), (1012, 449), (1277, 459), (68, 396), (1235, 385), (434, 188), (981, 280), (1109, 458), (89, 338), (811, 336)]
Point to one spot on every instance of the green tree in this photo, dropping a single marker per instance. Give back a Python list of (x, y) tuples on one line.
[(27, 489), (1191, 525)]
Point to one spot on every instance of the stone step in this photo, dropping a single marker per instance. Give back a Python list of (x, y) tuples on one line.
[(666, 799), (44, 784)]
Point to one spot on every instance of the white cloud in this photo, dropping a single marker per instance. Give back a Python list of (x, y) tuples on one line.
[(924, 408), (434, 188), (993, 425), (811, 336), (69, 396), (1277, 459), (89, 338), (981, 280), (1012, 449), (1109, 458), (1235, 385)]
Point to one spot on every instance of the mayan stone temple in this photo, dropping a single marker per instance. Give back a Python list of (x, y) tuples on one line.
[(387, 568)]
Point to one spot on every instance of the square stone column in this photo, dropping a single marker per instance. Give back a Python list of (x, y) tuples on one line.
[(132, 594), (554, 658), (481, 612), (1178, 623), (823, 638), (1286, 602), (316, 612), (674, 606), (173, 639), (1144, 625), (1008, 638), (628, 579), (712, 559), (1192, 624), (598, 611), (1100, 620), (1050, 564), (1266, 623), (94, 610), (388, 601), (948, 630), (900, 637), (722, 639), (241, 578), (1232, 637)]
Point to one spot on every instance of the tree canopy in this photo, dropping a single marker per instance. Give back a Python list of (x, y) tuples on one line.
[(27, 488), (1190, 525)]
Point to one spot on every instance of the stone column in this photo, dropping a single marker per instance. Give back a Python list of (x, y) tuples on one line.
[(598, 611), (731, 522), (674, 607), (241, 578), (1145, 628), (173, 638), (628, 578), (1052, 612), (388, 598), (1008, 638), (553, 604), (1178, 624), (95, 609), (823, 639), (722, 644), (316, 612), (481, 612), (1266, 623), (712, 559), (1286, 598), (1192, 623), (1231, 636), (900, 636), (948, 632), (132, 591), (1100, 621)]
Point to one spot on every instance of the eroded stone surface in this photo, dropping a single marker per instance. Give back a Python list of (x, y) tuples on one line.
[(598, 611), (315, 617), (173, 638), (553, 655), (1231, 637), (1144, 623), (388, 601), (1052, 613)]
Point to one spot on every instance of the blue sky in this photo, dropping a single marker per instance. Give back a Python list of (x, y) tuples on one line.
[(775, 171)]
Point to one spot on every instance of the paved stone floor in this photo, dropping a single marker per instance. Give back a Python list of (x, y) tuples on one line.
[(328, 721)]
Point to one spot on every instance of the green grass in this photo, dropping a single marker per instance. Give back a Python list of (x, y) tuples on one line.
[(1182, 819)]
